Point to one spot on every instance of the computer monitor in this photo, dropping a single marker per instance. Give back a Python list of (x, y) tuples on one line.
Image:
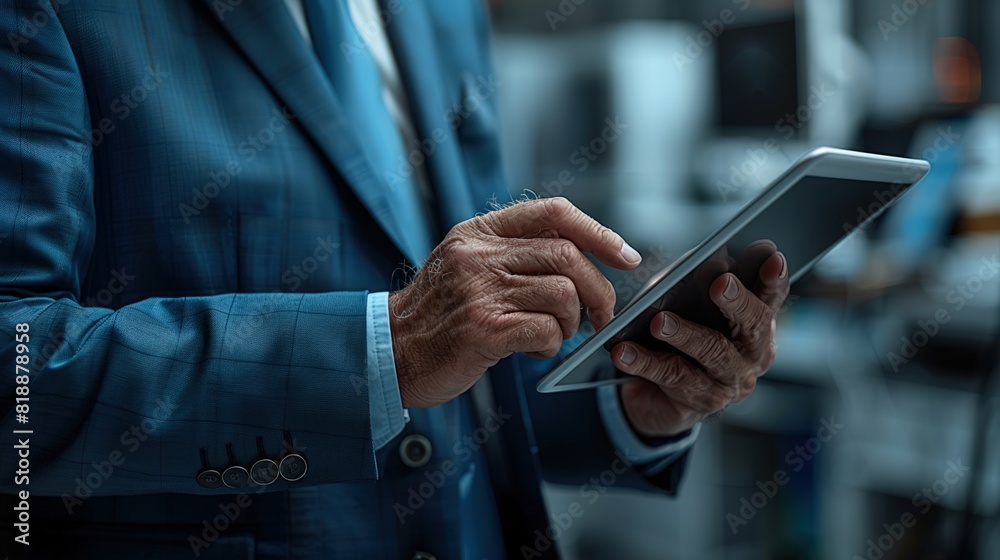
[(757, 69)]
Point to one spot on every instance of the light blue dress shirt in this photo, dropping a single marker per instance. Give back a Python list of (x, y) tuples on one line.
[(385, 404)]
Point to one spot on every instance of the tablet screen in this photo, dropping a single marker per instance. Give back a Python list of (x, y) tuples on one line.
[(791, 222)]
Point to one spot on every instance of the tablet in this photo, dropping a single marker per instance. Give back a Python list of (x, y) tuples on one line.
[(815, 204)]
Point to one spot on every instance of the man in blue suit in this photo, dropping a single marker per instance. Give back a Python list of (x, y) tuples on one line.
[(204, 207)]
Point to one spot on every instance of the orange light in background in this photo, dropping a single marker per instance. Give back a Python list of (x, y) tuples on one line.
[(958, 73)]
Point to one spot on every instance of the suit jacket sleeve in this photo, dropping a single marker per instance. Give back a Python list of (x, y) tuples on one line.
[(573, 444), (123, 401)]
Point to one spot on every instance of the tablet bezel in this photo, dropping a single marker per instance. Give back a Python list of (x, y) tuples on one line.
[(822, 162)]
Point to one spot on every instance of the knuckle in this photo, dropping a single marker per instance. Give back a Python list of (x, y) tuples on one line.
[(760, 331), (557, 207), (460, 229), (524, 334), (609, 291), (553, 337), (554, 334), (606, 236), (714, 351), (741, 392), (456, 248), (769, 355), (718, 400), (565, 254), (564, 290), (495, 222), (482, 225), (669, 371)]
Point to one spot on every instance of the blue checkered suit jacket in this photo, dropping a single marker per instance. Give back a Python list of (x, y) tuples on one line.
[(190, 232)]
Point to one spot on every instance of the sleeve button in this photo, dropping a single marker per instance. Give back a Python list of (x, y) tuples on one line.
[(264, 472), (235, 477), (209, 478), (292, 467)]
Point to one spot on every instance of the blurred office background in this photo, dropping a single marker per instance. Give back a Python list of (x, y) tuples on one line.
[(895, 335)]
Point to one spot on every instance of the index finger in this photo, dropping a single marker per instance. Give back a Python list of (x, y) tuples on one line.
[(563, 257), (557, 217)]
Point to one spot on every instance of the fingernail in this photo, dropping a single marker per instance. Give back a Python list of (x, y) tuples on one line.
[(784, 267), (670, 325), (628, 355), (629, 254), (731, 289)]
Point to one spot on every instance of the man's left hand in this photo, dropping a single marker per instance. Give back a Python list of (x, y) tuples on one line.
[(677, 391)]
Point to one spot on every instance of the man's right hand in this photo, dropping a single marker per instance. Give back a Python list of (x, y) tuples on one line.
[(509, 281)]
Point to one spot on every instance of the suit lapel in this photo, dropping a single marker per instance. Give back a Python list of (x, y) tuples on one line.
[(412, 36), (267, 36)]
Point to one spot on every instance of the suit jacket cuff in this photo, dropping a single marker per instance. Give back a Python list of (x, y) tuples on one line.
[(652, 458), (384, 403)]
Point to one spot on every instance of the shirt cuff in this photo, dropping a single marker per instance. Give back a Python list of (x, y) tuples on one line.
[(652, 459), (385, 407)]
